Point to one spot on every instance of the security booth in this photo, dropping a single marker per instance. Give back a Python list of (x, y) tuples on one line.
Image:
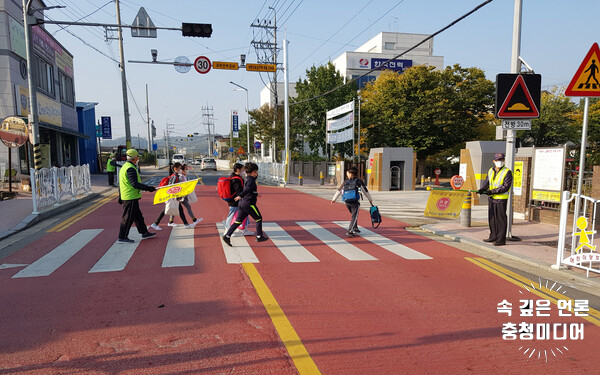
[(475, 161), (391, 168)]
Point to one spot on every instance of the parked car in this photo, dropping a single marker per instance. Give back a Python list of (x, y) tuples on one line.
[(178, 158), (208, 163), (197, 161)]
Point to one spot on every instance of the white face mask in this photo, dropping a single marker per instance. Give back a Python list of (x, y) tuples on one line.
[(498, 163)]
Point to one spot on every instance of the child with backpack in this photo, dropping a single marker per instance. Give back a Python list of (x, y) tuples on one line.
[(247, 205), (229, 188), (173, 179), (350, 192)]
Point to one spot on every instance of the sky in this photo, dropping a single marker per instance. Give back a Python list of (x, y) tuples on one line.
[(555, 37)]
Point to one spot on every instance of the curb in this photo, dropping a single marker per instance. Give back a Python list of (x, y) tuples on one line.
[(452, 236), (32, 219)]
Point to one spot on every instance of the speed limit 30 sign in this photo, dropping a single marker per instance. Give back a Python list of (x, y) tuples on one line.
[(202, 64)]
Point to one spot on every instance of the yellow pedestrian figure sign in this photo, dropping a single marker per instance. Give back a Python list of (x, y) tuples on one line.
[(586, 82), (584, 240)]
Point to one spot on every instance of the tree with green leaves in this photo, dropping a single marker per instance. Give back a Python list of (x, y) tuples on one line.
[(426, 109), (309, 116), (556, 124)]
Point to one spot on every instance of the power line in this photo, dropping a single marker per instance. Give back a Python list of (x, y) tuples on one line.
[(367, 28), (382, 66), (82, 18), (334, 34), (288, 17)]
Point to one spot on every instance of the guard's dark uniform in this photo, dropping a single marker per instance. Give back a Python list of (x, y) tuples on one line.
[(499, 184)]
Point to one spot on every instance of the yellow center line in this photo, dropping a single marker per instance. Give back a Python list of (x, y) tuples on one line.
[(304, 363), (66, 223), (523, 282)]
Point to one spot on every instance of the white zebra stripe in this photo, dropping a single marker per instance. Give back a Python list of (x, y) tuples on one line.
[(345, 249)]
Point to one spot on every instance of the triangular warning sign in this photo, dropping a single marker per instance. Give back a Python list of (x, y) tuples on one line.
[(518, 102), (586, 82)]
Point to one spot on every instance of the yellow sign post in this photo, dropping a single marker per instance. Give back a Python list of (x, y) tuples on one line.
[(261, 67), (225, 65)]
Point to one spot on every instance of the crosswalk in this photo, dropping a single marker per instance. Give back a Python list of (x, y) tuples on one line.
[(180, 250)]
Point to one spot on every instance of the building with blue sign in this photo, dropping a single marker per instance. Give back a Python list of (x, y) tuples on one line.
[(384, 46)]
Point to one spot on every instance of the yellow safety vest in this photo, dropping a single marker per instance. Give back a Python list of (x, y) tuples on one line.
[(497, 182), (110, 167), (128, 192)]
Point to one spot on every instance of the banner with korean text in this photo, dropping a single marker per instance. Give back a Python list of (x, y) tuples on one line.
[(164, 193), (445, 203)]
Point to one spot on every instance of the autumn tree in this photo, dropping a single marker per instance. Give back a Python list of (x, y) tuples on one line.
[(308, 117), (426, 109)]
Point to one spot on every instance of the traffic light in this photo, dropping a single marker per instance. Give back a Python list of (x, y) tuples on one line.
[(190, 136), (203, 30)]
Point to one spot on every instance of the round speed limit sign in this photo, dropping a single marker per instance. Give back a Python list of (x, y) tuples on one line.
[(202, 64)]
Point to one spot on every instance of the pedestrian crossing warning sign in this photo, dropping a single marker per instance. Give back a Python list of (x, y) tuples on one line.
[(586, 81), (518, 95)]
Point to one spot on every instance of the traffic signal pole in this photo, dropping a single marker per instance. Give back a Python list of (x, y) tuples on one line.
[(123, 79), (511, 134)]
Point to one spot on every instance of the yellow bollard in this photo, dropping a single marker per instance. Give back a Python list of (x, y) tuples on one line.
[(322, 177), (465, 213), (300, 179)]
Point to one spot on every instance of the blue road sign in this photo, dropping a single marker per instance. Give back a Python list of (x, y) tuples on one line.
[(231, 149), (215, 153), (98, 131), (257, 145), (106, 127), (154, 146)]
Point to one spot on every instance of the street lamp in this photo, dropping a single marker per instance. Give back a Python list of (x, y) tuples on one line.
[(247, 117)]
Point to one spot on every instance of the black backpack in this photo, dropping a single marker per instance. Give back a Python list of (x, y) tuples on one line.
[(350, 192)]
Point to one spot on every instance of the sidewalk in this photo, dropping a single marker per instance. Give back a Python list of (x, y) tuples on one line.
[(537, 248), (17, 212)]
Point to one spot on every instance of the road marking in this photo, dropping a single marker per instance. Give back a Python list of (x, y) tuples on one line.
[(296, 349), (59, 256), (521, 281), (66, 223), (180, 248), (240, 252), (288, 246), (345, 249), (386, 243), (5, 266), (117, 257)]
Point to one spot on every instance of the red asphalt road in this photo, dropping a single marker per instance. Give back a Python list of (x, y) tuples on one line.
[(387, 316)]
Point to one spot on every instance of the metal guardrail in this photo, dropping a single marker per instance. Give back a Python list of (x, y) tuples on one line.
[(273, 173), (55, 186), (582, 253)]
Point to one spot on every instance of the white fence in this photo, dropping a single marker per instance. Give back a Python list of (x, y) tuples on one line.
[(273, 173), (580, 235), (55, 186)]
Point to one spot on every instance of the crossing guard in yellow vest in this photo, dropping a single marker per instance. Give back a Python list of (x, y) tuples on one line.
[(497, 186), (111, 167), (130, 193)]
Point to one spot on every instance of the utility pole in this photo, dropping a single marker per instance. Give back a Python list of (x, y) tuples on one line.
[(123, 79), (511, 134), (208, 122), (266, 52), (148, 121), (286, 113)]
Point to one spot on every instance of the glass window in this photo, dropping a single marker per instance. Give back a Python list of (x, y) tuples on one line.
[(389, 45), (65, 85), (45, 76)]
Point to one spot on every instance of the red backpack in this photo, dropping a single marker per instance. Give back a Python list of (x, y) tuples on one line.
[(224, 188), (165, 180)]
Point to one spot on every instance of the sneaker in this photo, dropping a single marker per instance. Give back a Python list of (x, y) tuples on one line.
[(148, 235), (356, 230), (188, 226), (247, 232), (155, 226), (172, 224), (125, 240), (350, 234), (262, 238), (227, 240)]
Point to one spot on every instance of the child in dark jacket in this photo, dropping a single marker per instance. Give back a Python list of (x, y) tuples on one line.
[(247, 205)]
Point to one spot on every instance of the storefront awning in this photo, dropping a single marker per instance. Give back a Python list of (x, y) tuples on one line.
[(60, 129)]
